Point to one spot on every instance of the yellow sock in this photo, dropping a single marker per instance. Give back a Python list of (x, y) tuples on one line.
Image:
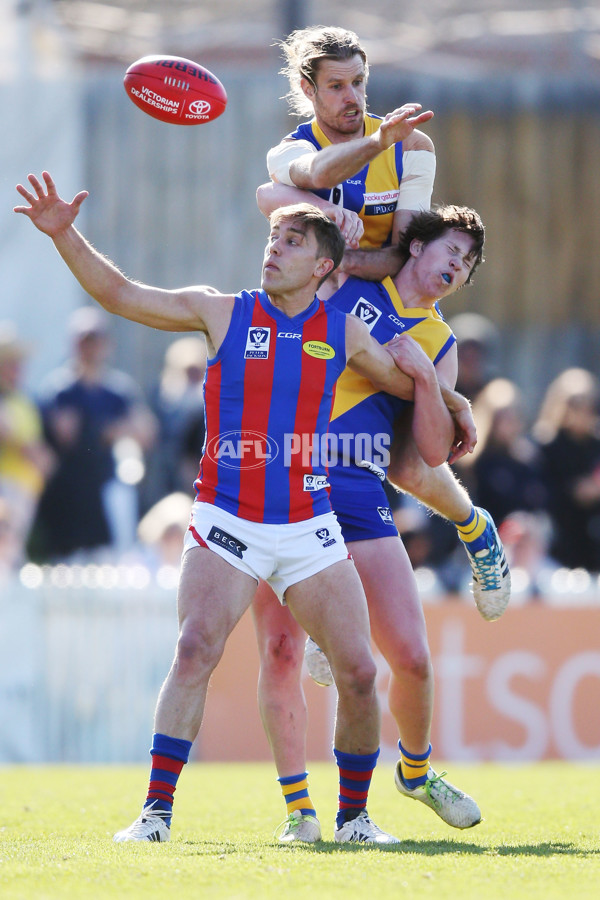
[(414, 767), (473, 527), (295, 794)]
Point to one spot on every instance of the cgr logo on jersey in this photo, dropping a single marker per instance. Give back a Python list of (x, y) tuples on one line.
[(226, 541), (315, 482), (386, 515), (324, 536), (366, 312), (289, 334), (257, 343)]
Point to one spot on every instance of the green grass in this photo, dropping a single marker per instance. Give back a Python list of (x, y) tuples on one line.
[(540, 837)]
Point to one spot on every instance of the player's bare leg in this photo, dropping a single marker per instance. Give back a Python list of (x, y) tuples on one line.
[(211, 599), (399, 631), (283, 709), (440, 490), (332, 607)]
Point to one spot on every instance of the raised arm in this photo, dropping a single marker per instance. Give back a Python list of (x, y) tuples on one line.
[(414, 379), (187, 309), (336, 163)]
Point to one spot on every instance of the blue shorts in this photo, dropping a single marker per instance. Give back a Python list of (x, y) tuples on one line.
[(363, 515)]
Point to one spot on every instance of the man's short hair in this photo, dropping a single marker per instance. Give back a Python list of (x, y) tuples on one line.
[(303, 51), (430, 224), (330, 242)]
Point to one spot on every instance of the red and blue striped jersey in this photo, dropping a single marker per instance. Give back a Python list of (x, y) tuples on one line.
[(269, 393)]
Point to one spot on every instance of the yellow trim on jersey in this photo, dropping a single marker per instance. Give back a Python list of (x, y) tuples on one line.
[(381, 185), (431, 333)]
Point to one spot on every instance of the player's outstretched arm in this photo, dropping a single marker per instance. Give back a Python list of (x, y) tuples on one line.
[(188, 309), (310, 169)]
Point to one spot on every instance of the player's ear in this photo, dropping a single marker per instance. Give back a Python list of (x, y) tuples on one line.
[(308, 88), (416, 247), (324, 267)]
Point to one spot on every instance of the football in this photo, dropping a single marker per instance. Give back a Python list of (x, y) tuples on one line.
[(173, 89)]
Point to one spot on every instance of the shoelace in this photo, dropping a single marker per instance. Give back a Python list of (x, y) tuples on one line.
[(363, 826), (292, 823), (145, 822), (487, 571), (438, 784)]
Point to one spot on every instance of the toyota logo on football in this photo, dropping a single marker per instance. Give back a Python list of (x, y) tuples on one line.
[(199, 107)]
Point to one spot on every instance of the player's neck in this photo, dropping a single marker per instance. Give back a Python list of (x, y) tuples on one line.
[(292, 303), (411, 291)]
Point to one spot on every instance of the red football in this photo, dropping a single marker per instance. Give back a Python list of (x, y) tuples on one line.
[(174, 89)]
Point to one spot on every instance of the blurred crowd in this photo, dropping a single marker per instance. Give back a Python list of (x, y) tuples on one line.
[(91, 470)]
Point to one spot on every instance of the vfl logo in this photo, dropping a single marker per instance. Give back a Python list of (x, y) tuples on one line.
[(366, 312), (257, 343), (315, 482), (242, 449), (226, 541), (199, 107), (386, 515), (324, 535)]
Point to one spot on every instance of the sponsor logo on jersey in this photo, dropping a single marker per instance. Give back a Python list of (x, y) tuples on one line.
[(257, 343), (315, 482), (366, 312), (397, 322), (376, 197), (226, 541), (386, 514), (318, 349), (242, 449), (324, 535), (289, 334)]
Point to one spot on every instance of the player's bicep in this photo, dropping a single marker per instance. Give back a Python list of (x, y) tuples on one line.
[(447, 368), (280, 158)]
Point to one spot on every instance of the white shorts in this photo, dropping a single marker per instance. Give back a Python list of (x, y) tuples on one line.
[(280, 554)]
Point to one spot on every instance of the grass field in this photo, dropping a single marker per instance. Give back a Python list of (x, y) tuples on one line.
[(540, 837)]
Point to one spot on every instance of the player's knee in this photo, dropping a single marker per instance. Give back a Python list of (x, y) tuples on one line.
[(357, 677), (197, 653), (282, 653), (414, 662)]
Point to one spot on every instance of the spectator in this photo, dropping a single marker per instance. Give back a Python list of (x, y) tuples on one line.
[(504, 470), (568, 429), (478, 345), (179, 407), (92, 414), (25, 460)]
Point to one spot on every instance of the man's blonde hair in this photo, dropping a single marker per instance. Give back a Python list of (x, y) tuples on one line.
[(303, 51)]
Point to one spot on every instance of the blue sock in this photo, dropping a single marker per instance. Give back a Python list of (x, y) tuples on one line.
[(356, 771), (169, 755)]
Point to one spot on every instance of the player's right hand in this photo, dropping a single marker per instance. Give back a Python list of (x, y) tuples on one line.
[(48, 212), (400, 124)]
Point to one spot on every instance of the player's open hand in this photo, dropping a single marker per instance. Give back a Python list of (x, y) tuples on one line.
[(48, 212), (400, 124)]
